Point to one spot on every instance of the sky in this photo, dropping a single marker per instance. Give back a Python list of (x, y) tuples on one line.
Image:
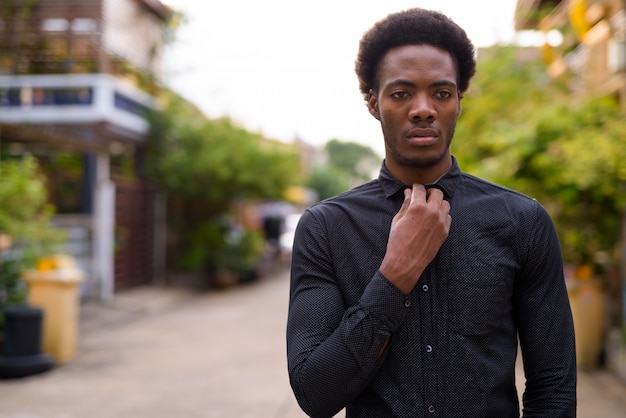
[(285, 68)]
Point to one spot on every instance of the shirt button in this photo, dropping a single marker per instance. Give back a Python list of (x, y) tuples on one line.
[(429, 348), (425, 288), (407, 303), (431, 409)]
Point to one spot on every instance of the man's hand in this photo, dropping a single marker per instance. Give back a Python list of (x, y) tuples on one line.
[(417, 232)]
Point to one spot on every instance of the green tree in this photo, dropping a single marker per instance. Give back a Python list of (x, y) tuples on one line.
[(328, 181), (206, 166), (348, 164), (522, 129), (357, 161)]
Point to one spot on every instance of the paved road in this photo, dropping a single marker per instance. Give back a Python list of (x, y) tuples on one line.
[(173, 353)]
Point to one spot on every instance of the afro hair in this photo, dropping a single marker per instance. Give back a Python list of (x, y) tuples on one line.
[(414, 27)]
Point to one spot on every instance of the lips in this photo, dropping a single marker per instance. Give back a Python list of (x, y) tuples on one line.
[(422, 132), (422, 136)]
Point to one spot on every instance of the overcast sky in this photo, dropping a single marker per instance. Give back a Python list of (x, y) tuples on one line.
[(285, 68)]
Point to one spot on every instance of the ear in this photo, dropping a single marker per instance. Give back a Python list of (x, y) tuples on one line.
[(459, 107), (372, 104)]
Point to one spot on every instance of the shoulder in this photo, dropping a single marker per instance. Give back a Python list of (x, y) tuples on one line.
[(364, 194), (485, 190), (364, 204), (497, 202)]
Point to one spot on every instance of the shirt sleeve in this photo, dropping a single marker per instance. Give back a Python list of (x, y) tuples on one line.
[(545, 326), (333, 349)]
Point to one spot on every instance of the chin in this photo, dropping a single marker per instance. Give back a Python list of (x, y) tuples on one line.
[(421, 161), (417, 159)]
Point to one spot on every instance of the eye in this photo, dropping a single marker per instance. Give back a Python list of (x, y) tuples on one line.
[(399, 94), (443, 94)]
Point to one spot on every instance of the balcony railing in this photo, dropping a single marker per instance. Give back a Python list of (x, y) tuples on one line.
[(76, 99)]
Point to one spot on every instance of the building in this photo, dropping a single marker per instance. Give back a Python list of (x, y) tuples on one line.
[(77, 79), (594, 40), (594, 51)]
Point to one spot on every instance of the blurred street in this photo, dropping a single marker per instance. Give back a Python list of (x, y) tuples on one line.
[(171, 352)]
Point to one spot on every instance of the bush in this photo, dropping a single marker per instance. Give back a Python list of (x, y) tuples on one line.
[(25, 217)]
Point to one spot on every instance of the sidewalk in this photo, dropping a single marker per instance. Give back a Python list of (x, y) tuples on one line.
[(172, 352), (130, 305), (169, 352)]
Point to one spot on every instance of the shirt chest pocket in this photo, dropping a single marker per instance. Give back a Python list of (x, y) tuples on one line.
[(476, 310)]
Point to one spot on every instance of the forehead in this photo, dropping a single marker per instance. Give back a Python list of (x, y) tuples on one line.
[(414, 62)]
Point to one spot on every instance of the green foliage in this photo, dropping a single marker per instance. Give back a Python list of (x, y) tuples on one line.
[(25, 217), (521, 129), (241, 251), (328, 181), (349, 164), (359, 162), (201, 243), (24, 212), (21, 194), (205, 166), (215, 162), (12, 287), (24, 8)]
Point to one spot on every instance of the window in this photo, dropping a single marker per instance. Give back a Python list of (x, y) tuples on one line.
[(55, 25), (83, 25)]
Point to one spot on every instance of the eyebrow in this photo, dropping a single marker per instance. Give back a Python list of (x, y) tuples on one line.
[(407, 83)]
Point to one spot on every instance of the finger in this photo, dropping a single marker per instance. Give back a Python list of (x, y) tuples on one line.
[(419, 192), (405, 203), (434, 195), (445, 206), (445, 211)]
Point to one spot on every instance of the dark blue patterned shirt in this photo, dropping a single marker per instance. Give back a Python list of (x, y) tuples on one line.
[(454, 339)]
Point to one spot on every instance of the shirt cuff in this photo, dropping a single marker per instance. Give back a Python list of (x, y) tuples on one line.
[(382, 299)]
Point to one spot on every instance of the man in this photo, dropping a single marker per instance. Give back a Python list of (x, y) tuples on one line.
[(409, 293)]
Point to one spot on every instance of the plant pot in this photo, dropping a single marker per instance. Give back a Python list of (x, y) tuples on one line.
[(22, 343)]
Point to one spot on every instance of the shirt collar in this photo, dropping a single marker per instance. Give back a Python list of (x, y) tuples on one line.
[(446, 183)]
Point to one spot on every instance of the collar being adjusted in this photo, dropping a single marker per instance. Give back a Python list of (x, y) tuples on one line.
[(436, 185), (445, 183)]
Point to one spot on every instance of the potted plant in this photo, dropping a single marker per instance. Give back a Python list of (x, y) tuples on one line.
[(26, 229)]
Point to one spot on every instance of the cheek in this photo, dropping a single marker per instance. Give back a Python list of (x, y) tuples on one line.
[(391, 116), (451, 115), (388, 124)]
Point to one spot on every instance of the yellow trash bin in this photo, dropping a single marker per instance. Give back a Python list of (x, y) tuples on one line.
[(53, 286), (587, 302)]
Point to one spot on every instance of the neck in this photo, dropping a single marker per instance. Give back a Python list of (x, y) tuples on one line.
[(415, 174)]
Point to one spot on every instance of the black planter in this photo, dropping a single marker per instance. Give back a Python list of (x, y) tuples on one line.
[(22, 343)]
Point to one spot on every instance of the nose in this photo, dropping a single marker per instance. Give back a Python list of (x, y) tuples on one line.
[(422, 109)]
